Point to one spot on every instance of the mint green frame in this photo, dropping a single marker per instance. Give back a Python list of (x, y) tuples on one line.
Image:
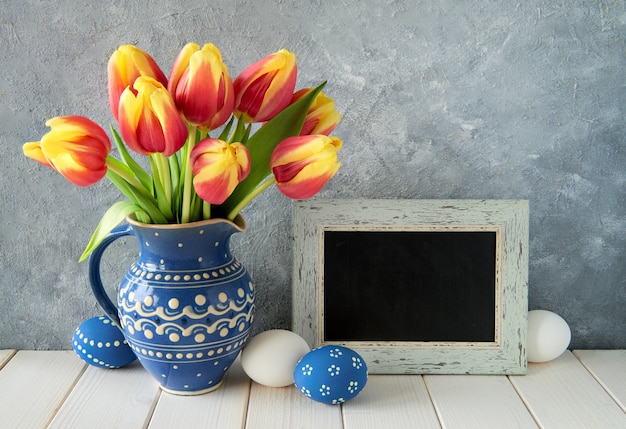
[(508, 218)]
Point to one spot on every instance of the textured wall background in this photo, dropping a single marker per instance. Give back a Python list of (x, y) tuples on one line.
[(441, 99)]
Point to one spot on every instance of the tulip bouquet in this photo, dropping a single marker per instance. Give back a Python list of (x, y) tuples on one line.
[(192, 175)]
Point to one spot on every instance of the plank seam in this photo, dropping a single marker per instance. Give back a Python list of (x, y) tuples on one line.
[(155, 402), (67, 394), (525, 402), (600, 382), (7, 358), (244, 417), (432, 401)]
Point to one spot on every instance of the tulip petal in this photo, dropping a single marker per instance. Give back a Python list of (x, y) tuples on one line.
[(179, 68), (302, 165), (33, 151), (201, 86), (149, 120), (126, 64), (75, 146), (78, 173), (322, 118), (266, 87), (256, 91), (308, 182), (218, 168)]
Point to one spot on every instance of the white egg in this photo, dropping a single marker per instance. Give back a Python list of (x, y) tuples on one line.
[(548, 336), (270, 357)]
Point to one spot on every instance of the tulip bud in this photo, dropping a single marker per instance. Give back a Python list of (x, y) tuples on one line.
[(303, 164), (218, 168), (148, 118), (322, 118), (265, 88), (75, 146), (201, 86), (126, 64)]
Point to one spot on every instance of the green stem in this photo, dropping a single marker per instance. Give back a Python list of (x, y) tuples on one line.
[(162, 184), (174, 168), (238, 133), (255, 192), (164, 173), (124, 172), (140, 198), (188, 180)]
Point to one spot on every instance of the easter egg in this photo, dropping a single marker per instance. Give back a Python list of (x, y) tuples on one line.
[(270, 357), (99, 342), (331, 374), (548, 336)]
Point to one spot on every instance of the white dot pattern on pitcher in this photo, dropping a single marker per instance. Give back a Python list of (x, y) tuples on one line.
[(188, 317), (190, 322), (218, 274), (199, 319)]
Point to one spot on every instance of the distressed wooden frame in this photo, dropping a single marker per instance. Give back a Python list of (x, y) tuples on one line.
[(508, 218)]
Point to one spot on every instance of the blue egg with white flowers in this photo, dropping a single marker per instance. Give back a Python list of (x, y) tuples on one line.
[(331, 374), (99, 342)]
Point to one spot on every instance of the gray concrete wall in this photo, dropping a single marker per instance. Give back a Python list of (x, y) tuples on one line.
[(441, 99)]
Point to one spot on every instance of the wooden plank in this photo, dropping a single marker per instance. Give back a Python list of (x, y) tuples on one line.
[(34, 385), (286, 407), (5, 355), (224, 408), (391, 401), (110, 398), (563, 394), (477, 401), (609, 369)]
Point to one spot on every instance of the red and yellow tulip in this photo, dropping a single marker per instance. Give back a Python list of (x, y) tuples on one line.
[(201, 86), (149, 120), (75, 146), (302, 165), (266, 87), (163, 119), (322, 117), (126, 64), (218, 168)]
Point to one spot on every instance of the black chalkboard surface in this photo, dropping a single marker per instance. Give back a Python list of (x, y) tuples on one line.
[(399, 286)]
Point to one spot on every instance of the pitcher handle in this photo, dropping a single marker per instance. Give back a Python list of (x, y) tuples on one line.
[(94, 271)]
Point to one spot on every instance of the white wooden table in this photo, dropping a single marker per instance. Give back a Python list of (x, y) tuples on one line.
[(54, 389)]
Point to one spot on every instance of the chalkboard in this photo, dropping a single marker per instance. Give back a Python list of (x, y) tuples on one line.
[(414, 286), (409, 286)]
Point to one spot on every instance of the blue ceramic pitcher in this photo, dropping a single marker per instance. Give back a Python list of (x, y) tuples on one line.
[(186, 305)]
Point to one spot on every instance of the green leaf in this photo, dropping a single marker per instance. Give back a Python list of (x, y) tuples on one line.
[(246, 135), (113, 217), (145, 201), (261, 145), (152, 210), (176, 192), (196, 208), (163, 202), (136, 169), (224, 135), (121, 184), (181, 156), (240, 132)]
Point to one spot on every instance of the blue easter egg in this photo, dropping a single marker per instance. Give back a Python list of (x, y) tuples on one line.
[(100, 343), (331, 374)]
